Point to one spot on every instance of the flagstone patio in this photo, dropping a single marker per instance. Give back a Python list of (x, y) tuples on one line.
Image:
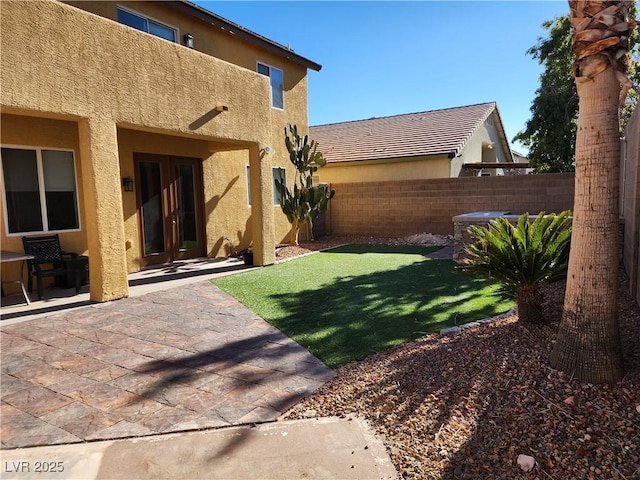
[(186, 358)]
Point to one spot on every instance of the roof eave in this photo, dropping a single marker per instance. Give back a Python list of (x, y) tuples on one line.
[(239, 31), (499, 128), (503, 136), (426, 156)]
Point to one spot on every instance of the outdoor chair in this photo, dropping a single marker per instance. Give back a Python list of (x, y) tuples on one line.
[(49, 261)]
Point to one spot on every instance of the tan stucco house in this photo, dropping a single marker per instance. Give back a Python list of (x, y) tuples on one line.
[(143, 132), (452, 142)]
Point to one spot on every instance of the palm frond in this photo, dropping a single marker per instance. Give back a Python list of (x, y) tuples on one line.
[(525, 253)]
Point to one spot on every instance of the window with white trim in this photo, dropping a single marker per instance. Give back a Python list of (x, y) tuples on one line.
[(40, 193), (279, 173), (146, 24), (276, 78)]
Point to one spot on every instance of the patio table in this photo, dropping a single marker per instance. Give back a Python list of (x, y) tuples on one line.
[(5, 257)]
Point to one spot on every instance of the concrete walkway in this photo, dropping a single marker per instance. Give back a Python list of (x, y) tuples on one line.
[(325, 448)]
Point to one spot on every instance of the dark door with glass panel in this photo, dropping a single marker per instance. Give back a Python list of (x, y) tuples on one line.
[(169, 193)]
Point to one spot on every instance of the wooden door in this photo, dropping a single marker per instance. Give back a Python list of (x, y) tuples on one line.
[(169, 197)]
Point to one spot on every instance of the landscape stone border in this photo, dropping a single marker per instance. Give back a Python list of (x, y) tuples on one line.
[(478, 323)]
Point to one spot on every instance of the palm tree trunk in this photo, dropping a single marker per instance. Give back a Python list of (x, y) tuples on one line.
[(529, 300), (588, 343)]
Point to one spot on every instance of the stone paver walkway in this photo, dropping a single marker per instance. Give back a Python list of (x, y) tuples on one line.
[(187, 358)]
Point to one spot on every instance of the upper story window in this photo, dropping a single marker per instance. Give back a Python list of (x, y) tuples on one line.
[(40, 192), (277, 84), (140, 22)]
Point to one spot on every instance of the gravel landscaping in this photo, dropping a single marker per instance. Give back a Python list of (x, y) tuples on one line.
[(468, 404)]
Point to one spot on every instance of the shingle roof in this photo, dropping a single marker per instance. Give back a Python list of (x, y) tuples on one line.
[(436, 132)]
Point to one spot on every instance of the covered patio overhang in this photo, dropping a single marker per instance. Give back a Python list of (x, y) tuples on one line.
[(161, 277), (99, 96)]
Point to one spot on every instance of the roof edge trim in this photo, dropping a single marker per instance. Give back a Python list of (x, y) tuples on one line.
[(239, 31)]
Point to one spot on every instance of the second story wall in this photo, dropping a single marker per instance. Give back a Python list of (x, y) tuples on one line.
[(83, 66), (220, 44)]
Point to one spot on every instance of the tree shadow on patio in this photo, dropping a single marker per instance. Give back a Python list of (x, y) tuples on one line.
[(243, 380)]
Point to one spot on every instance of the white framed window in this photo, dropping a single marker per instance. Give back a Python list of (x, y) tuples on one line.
[(142, 22), (279, 173), (40, 191), (249, 185), (276, 78)]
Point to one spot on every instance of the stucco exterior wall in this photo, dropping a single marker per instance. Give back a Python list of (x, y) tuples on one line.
[(118, 91), (475, 150), (130, 142), (217, 43), (221, 45), (17, 130), (378, 171), (86, 66)]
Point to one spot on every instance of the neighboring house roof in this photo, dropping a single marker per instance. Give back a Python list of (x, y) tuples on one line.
[(436, 132), (518, 157), (239, 31)]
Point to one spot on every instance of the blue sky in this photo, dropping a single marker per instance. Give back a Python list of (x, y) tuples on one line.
[(385, 58)]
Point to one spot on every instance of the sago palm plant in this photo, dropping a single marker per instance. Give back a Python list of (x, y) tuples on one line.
[(524, 256)]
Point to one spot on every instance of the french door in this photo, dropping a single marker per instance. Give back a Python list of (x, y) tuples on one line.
[(169, 198)]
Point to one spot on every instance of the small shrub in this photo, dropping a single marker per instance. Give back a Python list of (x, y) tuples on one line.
[(524, 256)]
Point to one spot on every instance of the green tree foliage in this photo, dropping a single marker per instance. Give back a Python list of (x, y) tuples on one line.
[(550, 133), (307, 201), (524, 256)]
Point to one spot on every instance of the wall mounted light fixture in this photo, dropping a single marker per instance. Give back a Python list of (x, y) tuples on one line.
[(127, 184), (268, 150), (188, 40)]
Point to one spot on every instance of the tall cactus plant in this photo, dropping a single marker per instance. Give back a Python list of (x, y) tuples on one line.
[(307, 201)]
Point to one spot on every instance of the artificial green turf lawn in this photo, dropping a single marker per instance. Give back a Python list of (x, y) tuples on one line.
[(349, 302)]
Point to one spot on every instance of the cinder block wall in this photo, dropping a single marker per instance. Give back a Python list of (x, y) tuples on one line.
[(400, 208)]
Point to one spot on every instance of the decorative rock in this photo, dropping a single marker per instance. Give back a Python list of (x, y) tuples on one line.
[(526, 462)]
